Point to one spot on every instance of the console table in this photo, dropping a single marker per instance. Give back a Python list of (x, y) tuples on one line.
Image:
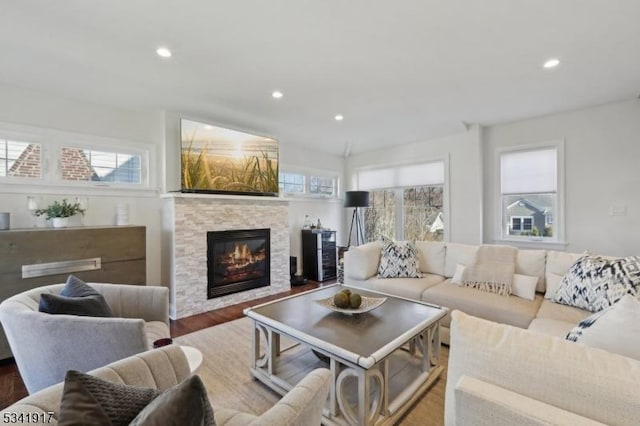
[(35, 257)]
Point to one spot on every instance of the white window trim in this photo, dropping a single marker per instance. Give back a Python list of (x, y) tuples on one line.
[(308, 173), (445, 192), (52, 141), (558, 238)]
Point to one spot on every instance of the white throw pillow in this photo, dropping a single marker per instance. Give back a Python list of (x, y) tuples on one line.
[(553, 284), (457, 276), (362, 262), (524, 286), (615, 329)]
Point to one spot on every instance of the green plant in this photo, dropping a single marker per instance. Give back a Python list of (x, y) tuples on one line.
[(63, 209)]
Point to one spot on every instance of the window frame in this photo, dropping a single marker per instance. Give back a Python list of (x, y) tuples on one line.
[(444, 159), (307, 175), (501, 232), (51, 143)]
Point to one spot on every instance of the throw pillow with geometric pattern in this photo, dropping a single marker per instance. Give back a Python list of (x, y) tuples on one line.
[(594, 283), (398, 260)]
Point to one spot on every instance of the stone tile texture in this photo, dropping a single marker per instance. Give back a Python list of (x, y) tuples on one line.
[(193, 218)]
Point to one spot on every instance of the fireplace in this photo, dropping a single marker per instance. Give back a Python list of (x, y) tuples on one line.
[(237, 261)]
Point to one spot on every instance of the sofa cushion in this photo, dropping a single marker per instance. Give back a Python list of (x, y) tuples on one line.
[(551, 327), (615, 329), (431, 255), (558, 264), (532, 263), (555, 311), (398, 260), (411, 288), (464, 254), (595, 283), (362, 262), (505, 309)]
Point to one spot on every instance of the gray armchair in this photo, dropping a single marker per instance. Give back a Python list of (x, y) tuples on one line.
[(46, 346), (167, 366)]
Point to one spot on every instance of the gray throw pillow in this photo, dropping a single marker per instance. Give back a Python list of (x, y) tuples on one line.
[(90, 306), (89, 400), (76, 298), (75, 287), (185, 404)]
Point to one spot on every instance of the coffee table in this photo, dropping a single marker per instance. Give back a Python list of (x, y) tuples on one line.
[(381, 361)]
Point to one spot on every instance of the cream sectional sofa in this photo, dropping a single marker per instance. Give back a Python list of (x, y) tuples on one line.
[(500, 375), (438, 261)]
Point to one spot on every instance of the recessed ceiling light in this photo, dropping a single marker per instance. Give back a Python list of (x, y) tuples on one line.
[(208, 126), (339, 117), (164, 52), (552, 63), (277, 94)]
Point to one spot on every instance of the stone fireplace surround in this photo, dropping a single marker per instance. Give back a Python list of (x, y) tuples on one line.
[(186, 218)]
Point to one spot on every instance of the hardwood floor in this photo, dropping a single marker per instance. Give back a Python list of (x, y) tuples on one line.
[(12, 388)]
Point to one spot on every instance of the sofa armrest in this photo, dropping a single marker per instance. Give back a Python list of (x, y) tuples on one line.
[(301, 405), (484, 404), (590, 382), (150, 303)]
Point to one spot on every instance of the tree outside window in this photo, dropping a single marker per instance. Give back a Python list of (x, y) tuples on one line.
[(413, 213)]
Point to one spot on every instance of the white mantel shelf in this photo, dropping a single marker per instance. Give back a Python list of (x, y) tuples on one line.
[(224, 197)]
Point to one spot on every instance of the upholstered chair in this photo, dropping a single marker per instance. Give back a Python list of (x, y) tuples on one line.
[(45, 346), (167, 366)]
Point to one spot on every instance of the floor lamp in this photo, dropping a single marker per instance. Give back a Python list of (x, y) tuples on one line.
[(356, 199)]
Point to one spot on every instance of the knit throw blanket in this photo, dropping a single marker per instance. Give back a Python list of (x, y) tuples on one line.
[(493, 270)]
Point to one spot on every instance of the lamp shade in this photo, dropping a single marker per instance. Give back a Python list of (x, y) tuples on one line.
[(356, 199)]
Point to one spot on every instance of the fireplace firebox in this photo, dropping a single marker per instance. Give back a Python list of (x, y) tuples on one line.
[(237, 261)]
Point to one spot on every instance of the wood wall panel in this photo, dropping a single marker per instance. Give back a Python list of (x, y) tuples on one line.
[(121, 248)]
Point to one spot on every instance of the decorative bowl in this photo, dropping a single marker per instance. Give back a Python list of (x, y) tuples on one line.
[(368, 304)]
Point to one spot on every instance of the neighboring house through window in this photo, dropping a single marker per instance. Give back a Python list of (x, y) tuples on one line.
[(25, 153), (20, 159), (530, 192)]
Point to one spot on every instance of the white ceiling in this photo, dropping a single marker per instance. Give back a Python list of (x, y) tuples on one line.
[(399, 71)]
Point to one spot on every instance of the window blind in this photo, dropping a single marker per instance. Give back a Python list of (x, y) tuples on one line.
[(402, 176), (529, 171)]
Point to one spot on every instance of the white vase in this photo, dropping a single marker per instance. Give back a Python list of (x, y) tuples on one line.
[(60, 222)]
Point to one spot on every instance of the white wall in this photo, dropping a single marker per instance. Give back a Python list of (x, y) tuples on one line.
[(463, 152), (52, 112), (602, 152)]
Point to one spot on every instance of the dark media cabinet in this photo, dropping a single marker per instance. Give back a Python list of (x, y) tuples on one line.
[(319, 254)]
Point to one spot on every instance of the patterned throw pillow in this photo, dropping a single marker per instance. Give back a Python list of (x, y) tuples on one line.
[(398, 260), (594, 283)]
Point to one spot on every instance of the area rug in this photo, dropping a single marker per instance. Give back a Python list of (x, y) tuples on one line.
[(225, 372)]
